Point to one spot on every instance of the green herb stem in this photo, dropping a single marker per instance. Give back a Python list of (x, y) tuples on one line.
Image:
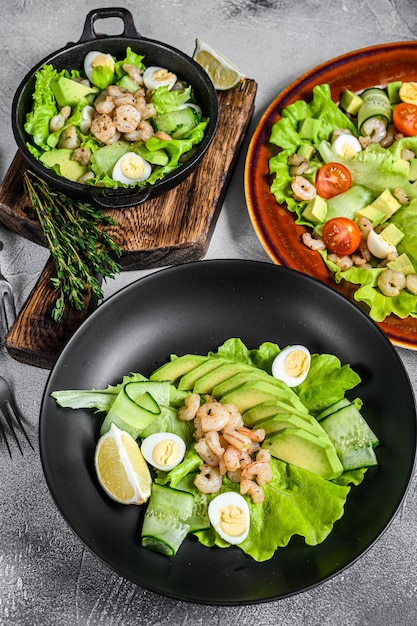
[(80, 247)]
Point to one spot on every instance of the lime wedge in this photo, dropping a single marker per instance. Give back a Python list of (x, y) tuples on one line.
[(223, 73)]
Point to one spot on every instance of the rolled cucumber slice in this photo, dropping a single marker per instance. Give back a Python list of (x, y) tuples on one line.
[(352, 437), (165, 523)]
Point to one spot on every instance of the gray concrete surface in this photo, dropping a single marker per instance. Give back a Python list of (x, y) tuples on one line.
[(47, 577)]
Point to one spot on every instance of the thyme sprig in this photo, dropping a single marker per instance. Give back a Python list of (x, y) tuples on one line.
[(80, 247)]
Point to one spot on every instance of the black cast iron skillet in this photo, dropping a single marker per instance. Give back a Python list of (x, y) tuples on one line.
[(155, 53)]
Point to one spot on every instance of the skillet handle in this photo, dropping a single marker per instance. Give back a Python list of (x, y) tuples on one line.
[(113, 199), (89, 33)]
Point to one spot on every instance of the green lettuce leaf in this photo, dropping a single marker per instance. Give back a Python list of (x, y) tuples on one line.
[(296, 503), (166, 100), (326, 382)]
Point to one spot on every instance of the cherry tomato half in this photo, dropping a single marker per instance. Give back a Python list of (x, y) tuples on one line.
[(405, 118), (332, 179), (341, 236)]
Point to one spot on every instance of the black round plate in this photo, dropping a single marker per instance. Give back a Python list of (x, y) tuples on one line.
[(195, 308)]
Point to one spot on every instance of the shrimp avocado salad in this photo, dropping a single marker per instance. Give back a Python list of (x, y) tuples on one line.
[(348, 173), (249, 441), (115, 123)]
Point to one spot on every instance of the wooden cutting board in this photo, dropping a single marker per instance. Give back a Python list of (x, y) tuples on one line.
[(168, 230)]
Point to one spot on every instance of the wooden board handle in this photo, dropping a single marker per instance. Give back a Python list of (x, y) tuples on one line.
[(35, 338)]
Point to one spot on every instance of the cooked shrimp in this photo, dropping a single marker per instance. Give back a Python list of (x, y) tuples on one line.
[(163, 136), (126, 118), (235, 476), (82, 155), (235, 459), (261, 471), (239, 440), (257, 435), (375, 128), (69, 138), (235, 418), (365, 226), (391, 282), (104, 104), (133, 72), (114, 91), (312, 242), (400, 195), (145, 131), (340, 131), (148, 111), (140, 102), (342, 262), (198, 431), (209, 480), (213, 416), (411, 283), (86, 176), (103, 128), (204, 451), (189, 409), (252, 489), (302, 188), (58, 121), (298, 164), (213, 442), (126, 98), (263, 455)]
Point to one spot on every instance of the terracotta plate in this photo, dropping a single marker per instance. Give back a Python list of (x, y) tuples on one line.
[(274, 224)]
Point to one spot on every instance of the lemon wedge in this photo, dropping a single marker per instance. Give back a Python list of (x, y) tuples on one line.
[(121, 469), (223, 73)]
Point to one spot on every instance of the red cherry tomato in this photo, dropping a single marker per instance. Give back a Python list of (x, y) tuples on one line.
[(332, 179), (341, 236), (405, 118)]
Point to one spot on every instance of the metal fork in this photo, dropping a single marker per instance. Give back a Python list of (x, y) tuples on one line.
[(13, 417), (7, 303)]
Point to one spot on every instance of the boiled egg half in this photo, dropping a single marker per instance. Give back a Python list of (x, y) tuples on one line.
[(95, 59), (131, 168), (292, 365), (346, 145), (229, 515), (378, 246), (164, 451), (154, 77)]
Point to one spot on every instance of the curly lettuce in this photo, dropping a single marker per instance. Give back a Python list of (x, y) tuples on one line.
[(372, 170)]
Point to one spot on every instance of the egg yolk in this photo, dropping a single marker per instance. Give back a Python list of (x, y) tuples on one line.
[(165, 452), (162, 75), (232, 520), (296, 363), (102, 59), (132, 167)]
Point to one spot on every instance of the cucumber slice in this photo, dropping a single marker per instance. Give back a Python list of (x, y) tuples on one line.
[(375, 104), (165, 523), (176, 123), (352, 437)]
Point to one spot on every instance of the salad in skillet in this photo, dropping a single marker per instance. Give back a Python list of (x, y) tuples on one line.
[(115, 123), (348, 172), (245, 447)]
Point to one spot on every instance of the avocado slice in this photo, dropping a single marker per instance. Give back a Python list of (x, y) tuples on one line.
[(213, 379), (269, 409), (177, 367), (69, 92), (189, 379), (61, 158), (303, 449), (241, 377), (252, 393), (280, 421)]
